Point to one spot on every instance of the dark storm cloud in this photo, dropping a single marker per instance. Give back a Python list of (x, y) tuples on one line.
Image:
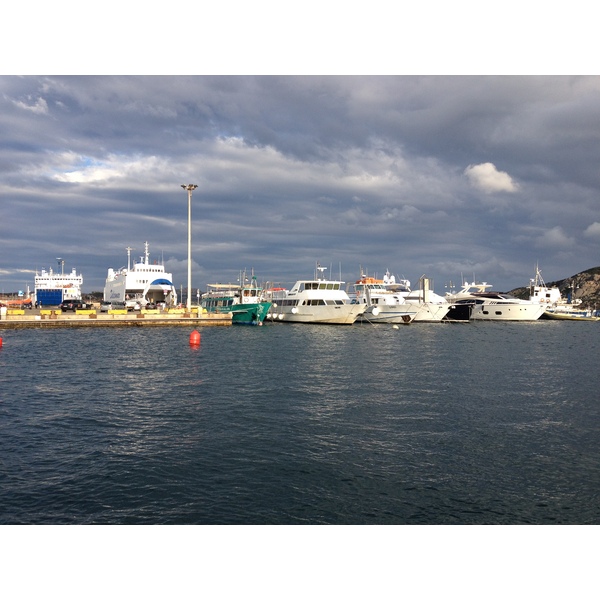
[(482, 176)]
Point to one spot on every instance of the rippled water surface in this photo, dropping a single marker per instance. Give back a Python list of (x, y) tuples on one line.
[(298, 424)]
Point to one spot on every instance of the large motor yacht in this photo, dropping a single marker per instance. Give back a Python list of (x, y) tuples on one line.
[(317, 300), (487, 305)]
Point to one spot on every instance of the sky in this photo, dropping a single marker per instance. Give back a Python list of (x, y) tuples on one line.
[(475, 173)]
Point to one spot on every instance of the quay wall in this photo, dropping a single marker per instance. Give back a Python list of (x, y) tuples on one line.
[(19, 319)]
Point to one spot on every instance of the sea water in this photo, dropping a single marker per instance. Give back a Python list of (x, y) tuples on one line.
[(473, 423)]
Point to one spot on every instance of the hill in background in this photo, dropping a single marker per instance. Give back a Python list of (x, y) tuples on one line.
[(584, 285)]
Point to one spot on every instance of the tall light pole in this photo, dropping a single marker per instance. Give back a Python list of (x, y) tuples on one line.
[(190, 188)]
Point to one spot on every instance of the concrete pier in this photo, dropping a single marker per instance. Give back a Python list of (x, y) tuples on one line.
[(52, 318)]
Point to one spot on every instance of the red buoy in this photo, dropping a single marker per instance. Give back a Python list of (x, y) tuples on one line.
[(0, 342), (195, 338)]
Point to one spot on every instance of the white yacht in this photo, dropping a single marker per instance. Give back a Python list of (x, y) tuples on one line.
[(317, 300), (144, 284), (383, 305), (487, 305), (434, 308)]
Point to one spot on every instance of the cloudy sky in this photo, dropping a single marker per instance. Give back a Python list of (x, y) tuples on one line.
[(452, 176)]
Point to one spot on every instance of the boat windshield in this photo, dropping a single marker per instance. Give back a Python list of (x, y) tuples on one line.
[(319, 285)]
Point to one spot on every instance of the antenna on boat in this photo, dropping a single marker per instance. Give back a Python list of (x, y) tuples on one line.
[(319, 268), (129, 249)]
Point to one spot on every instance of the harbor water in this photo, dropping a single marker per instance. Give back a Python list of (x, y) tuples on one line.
[(478, 423)]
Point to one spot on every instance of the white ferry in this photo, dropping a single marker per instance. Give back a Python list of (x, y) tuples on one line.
[(50, 288), (315, 300), (140, 285)]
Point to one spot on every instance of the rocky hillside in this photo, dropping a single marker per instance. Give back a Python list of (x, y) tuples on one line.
[(585, 285)]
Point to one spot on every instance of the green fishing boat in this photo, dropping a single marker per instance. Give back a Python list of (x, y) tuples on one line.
[(244, 301)]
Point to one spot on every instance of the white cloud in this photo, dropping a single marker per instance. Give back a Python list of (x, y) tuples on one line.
[(40, 107), (487, 178), (554, 238), (593, 230), (83, 169)]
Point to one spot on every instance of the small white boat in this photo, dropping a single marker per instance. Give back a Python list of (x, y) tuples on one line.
[(557, 307), (571, 314), (433, 308), (317, 300), (383, 305)]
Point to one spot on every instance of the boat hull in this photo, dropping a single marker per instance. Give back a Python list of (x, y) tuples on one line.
[(244, 314), (458, 313), (431, 313), (401, 314), (344, 314), (507, 312), (569, 316)]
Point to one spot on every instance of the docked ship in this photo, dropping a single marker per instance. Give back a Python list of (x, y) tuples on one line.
[(383, 305), (243, 300), (141, 284), (317, 300), (393, 297), (50, 288), (488, 305), (557, 307)]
